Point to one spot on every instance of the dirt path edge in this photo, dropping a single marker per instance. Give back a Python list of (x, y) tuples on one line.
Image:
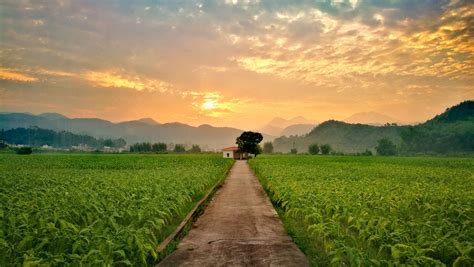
[(168, 245)]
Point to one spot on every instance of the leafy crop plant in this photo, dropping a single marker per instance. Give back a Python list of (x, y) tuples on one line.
[(375, 211)]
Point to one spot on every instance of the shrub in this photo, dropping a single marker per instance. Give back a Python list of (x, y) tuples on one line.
[(325, 149), (313, 149), (24, 150), (386, 147)]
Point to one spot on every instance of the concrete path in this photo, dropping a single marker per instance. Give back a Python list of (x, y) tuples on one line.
[(239, 227)]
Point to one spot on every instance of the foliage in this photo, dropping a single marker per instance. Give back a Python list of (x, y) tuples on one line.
[(268, 147), (374, 211), (293, 151), (37, 137), (97, 210), (25, 150), (3, 145), (326, 149), (148, 147), (195, 149), (159, 147), (248, 142), (178, 148), (141, 147), (313, 149), (386, 147)]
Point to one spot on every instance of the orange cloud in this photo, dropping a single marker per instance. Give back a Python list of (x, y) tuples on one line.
[(115, 79), (8, 74)]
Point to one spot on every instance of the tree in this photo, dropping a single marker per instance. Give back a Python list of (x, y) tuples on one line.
[(313, 149), (159, 147), (268, 147), (24, 150), (386, 147), (3, 145), (366, 153), (248, 142), (195, 149), (119, 142), (179, 148), (108, 142), (326, 149)]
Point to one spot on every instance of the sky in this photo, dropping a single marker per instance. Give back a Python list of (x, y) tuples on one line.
[(235, 63)]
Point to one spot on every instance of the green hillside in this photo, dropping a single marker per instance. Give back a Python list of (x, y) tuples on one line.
[(450, 132)]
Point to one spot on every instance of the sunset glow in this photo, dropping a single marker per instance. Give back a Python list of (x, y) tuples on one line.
[(236, 63)]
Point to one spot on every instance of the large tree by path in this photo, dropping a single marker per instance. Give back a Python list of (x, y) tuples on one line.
[(248, 142)]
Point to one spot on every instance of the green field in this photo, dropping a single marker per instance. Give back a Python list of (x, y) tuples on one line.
[(374, 210), (97, 209)]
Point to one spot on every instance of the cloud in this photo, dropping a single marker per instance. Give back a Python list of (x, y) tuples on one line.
[(13, 75), (289, 55), (113, 78)]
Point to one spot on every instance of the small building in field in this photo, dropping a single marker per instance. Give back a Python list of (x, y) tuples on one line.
[(233, 152)]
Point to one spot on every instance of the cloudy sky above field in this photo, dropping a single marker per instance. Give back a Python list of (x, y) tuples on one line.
[(235, 62)]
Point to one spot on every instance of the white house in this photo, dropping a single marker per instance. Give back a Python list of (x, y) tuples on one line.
[(233, 152)]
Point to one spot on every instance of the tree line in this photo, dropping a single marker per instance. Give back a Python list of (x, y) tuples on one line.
[(37, 137), (146, 147), (385, 147)]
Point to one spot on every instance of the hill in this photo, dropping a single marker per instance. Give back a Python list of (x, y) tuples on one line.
[(208, 137), (277, 126), (37, 137), (343, 137), (449, 132), (297, 129)]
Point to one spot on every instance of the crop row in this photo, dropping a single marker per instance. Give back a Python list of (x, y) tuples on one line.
[(375, 211), (97, 210)]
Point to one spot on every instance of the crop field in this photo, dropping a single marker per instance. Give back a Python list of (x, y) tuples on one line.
[(374, 211), (97, 209)]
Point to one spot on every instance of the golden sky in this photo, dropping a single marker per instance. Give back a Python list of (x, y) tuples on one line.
[(235, 63)]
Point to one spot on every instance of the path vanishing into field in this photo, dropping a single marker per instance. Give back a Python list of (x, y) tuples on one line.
[(239, 227)]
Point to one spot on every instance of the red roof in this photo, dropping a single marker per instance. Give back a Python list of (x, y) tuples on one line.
[(232, 148)]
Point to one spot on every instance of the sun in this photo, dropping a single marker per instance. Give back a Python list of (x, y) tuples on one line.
[(209, 104)]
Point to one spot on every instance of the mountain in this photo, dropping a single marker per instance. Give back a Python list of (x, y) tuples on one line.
[(52, 116), (37, 137), (343, 137), (276, 126), (297, 129), (448, 133), (208, 137), (371, 118), (464, 111), (149, 121)]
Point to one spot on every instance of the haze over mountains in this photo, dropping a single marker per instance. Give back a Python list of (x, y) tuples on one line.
[(371, 118), (281, 127), (452, 130), (142, 130)]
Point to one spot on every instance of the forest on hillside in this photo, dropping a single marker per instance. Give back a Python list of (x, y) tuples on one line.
[(37, 137)]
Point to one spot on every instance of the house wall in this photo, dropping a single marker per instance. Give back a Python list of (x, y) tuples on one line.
[(228, 154)]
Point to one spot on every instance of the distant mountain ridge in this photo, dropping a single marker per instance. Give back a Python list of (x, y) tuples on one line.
[(371, 118), (294, 126), (143, 130)]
